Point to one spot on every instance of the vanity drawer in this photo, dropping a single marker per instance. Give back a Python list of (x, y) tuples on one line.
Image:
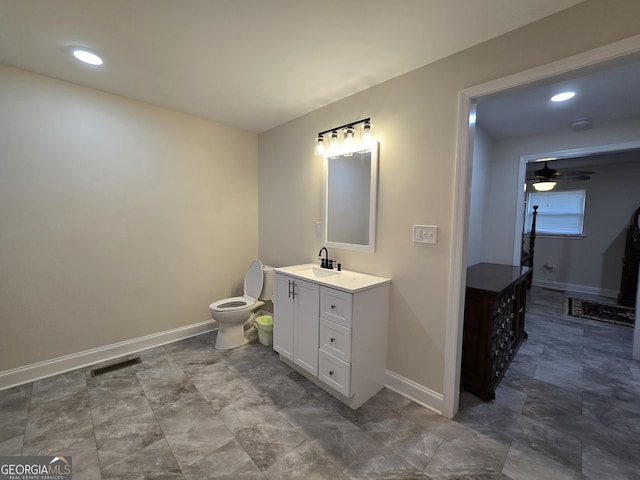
[(335, 306), (335, 373), (335, 339)]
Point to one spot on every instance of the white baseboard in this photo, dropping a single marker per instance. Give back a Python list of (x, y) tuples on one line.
[(570, 287), (36, 371), (416, 392)]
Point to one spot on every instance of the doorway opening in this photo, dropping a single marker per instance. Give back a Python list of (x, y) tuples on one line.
[(615, 54)]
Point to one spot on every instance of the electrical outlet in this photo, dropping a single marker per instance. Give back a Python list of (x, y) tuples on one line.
[(425, 234)]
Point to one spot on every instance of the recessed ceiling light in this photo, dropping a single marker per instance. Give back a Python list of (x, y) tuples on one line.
[(87, 56), (562, 97)]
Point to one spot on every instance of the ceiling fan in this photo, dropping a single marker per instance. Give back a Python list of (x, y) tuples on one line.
[(546, 178)]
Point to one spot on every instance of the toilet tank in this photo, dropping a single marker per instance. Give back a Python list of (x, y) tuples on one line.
[(267, 283)]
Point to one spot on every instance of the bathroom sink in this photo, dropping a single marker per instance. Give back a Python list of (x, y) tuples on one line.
[(319, 272), (343, 280)]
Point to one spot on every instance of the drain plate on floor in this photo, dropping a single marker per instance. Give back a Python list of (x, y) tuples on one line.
[(116, 366)]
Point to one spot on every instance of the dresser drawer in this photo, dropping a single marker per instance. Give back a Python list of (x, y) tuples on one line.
[(335, 306), (335, 373), (335, 339)]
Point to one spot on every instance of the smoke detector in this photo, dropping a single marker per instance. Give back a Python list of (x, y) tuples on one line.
[(581, 124)]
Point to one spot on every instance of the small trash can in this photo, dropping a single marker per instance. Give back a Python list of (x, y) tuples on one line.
[(264, 324)]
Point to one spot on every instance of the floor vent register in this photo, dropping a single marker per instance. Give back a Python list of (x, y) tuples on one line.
[(116, 366)]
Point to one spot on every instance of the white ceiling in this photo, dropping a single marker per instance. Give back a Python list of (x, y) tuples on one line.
[(253, 64), (605, 92), (586, 162)]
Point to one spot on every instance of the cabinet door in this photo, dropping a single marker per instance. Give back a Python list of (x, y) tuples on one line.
[(307, 325), (283, 316)]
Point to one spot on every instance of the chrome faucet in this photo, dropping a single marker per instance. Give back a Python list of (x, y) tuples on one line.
[(325, 262)]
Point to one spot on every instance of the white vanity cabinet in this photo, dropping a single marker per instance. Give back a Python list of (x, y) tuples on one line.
[(295, 334), (333, 330)]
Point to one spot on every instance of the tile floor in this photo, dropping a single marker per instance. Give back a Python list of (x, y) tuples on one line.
[(569, 407)]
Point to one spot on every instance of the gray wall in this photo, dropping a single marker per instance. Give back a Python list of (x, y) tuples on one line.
[(480, 192), (593, 263), (117, 219), (120, 219), (587, 262), (415, 120)]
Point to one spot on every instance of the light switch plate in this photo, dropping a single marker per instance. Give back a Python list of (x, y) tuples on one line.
[(425, 234)]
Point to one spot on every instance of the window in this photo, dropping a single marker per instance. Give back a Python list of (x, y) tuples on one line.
[(559, 213)]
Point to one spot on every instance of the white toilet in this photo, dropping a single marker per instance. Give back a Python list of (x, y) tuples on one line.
[(232, 314)]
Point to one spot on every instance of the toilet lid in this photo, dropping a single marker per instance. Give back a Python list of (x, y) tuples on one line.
[(253, 280)]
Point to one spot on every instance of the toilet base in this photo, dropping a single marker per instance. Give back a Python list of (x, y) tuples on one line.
[(230, 336)]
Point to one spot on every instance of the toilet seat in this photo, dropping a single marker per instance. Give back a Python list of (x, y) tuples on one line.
[(232, 304), (253, 281)]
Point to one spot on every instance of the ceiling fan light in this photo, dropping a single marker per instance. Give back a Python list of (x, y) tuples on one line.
[(544, 186)]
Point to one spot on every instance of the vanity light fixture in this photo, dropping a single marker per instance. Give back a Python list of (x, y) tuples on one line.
[(544, 186), (87, 56), (349, 135)]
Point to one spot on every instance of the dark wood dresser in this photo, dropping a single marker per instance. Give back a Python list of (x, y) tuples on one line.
[(493, 324), (630, 264)]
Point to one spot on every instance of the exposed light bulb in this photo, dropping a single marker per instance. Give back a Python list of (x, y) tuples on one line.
[(320, 145), (348, 136), (334, 141), (366, 133), (87, 57)]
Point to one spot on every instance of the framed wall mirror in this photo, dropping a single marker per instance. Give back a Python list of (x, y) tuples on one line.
[(350, 198)]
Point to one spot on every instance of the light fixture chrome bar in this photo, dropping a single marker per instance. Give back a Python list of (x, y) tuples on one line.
[(350, 124)]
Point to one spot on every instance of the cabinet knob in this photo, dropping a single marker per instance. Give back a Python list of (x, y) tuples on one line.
[(331, 372), (333, 307), (332, 339)]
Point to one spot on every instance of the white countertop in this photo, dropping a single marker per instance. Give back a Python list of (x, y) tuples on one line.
[(344, 280)]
